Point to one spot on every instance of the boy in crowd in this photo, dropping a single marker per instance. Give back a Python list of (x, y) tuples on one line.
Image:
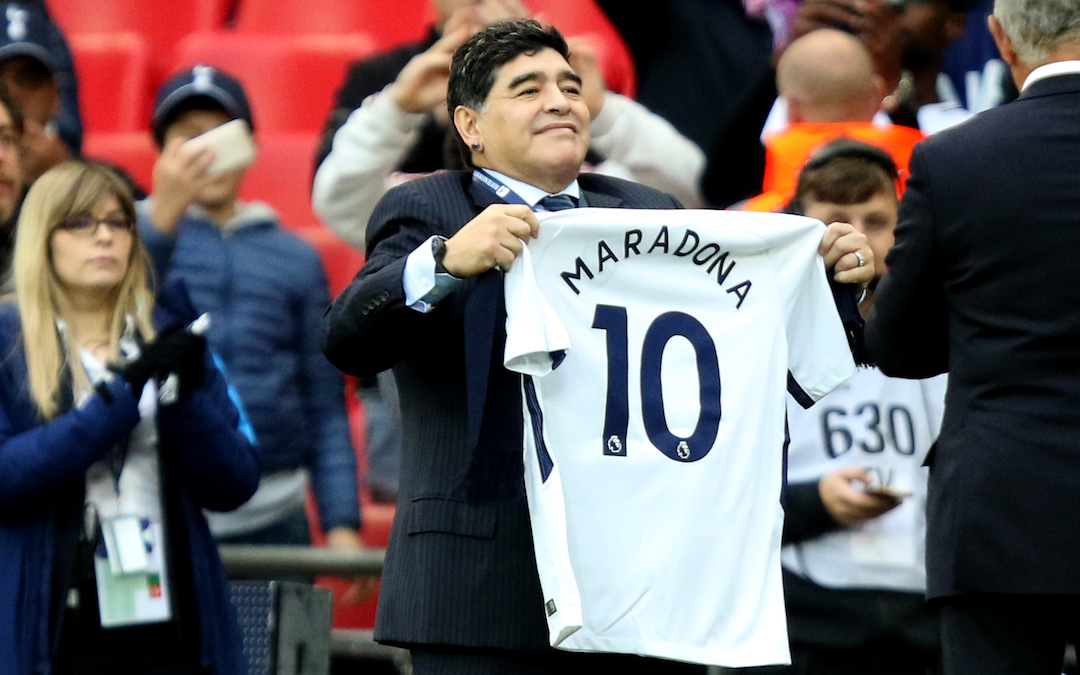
[(854, 571), (265, 291)]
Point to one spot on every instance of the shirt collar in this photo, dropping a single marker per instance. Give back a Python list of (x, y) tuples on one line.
[(532, 194), (1051, 70)]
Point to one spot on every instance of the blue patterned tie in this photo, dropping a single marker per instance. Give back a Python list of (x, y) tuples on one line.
[(558, 202)]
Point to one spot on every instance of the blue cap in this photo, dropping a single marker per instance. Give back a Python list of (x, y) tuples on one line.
[(199, 81), (26, 33)]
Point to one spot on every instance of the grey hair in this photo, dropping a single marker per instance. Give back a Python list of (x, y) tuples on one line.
[(1038, 27)]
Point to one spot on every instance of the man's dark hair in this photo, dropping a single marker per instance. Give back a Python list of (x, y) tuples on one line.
[(472, 71), (844, 171)]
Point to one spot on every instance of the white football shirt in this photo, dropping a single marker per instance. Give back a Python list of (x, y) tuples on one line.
[(885, 425), (653, 451)]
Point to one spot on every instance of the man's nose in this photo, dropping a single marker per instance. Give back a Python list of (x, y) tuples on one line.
[(555, 99)]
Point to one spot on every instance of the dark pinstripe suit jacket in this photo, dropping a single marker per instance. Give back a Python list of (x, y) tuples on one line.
[(460, 568), (982, 282)]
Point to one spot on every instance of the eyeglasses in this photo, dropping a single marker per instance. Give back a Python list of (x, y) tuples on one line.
[(87, 226)]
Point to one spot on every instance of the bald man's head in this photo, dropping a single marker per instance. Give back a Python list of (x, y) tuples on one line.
[(827, 75)]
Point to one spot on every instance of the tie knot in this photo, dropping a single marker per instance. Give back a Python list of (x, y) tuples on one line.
[(558, 202)]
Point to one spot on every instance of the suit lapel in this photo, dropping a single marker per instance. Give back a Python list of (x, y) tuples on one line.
[(481, 310), (599, 200)]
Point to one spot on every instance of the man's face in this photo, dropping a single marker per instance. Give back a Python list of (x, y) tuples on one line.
[(876, 218), (192, 123), (10, 168), (535, 124)]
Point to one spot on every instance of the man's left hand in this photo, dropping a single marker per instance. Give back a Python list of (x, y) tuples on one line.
[(847, 252)]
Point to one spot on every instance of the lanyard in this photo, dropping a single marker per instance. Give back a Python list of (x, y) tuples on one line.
[(496, 186)]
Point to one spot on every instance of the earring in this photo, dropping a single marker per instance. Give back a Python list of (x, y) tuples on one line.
[(477, 147)]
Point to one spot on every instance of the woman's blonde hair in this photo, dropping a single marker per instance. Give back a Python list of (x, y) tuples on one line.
[(69, 190)]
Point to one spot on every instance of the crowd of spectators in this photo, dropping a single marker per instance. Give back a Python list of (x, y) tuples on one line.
[(811, 107)]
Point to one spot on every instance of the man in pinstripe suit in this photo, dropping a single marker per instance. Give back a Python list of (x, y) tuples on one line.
[(460, 588)]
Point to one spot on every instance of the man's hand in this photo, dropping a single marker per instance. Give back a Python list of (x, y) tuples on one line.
[(362, 587), (421, 84), (849, 505), (846, 15), (584, 62), (178, 178), (492, 239), (844, 248)]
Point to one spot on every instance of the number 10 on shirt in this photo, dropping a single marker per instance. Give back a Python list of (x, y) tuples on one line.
[(612, 320)]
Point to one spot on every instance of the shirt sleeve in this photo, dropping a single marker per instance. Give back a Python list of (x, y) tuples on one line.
[(536, 339), (355, 175), (819, 358), (333, 460), (424, 287)]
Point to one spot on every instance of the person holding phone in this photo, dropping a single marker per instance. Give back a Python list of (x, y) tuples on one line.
[(267, 290), (855, 507), (107, 562)]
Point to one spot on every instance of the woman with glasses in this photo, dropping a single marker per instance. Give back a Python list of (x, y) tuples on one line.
[(106, 564)]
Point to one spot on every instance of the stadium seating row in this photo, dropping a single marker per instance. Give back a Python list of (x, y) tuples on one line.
[(291, 56)]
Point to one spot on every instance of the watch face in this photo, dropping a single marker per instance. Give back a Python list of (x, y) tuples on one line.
[(438, 252)]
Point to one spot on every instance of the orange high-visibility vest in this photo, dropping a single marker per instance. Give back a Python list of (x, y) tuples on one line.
[(786, 152)]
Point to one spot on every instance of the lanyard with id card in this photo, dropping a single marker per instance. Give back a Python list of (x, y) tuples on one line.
[(129, 565)]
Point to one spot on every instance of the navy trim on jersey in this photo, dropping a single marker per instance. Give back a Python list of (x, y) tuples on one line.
[(537, 418), (796, 391)]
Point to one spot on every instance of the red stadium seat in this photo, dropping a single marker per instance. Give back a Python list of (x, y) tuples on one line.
[(388, 22), (113, 72), (584, 18), (290, 79), (132, 151), (281, 175), (163, 24)]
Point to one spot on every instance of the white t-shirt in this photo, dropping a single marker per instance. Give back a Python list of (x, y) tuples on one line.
[(653, 451), (886, 425)]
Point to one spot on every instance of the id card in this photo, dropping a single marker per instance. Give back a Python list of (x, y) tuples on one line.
[(129, 567)]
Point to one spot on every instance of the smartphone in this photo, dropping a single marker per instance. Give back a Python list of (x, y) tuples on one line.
[(888, 491), (233, 146), (880, 483)]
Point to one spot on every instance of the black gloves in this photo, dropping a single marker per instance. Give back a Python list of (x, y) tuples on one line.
[(175, 350)]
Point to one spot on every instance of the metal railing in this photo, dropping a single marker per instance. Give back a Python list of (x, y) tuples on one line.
[(270, 562)]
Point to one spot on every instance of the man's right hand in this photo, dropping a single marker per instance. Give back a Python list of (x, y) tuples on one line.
[(492, 239), (421, 84), (178, 178)]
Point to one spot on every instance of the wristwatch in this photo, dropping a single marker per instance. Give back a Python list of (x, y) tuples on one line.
[(438, 252)]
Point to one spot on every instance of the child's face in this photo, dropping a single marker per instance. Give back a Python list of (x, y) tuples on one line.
[(190, 124), (876, 218)]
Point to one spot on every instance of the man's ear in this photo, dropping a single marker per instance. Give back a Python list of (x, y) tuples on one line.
[(466, 122), (1003, 41)]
